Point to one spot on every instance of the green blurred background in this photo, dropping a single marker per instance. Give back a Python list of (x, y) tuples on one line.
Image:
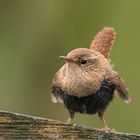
[(33, 33)]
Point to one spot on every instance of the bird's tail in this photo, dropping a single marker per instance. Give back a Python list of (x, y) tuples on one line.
[(103, 41)]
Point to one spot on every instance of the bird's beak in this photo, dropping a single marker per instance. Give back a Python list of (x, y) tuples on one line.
[(65, 58)]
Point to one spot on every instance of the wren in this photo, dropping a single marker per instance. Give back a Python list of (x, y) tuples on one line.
[(87, 83)]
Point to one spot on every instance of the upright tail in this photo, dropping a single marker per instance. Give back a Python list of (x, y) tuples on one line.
[(103, 41)]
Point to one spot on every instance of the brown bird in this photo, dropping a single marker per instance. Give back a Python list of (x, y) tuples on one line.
[(87, 83)]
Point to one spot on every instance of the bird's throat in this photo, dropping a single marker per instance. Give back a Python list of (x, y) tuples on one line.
[(80, 83)]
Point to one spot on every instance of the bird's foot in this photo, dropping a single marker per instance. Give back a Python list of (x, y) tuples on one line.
[(68, 121), (70, 118), (107, 129)]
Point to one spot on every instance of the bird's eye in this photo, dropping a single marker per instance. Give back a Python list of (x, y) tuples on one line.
[(83, 61)]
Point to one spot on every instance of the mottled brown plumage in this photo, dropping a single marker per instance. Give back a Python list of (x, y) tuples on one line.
[(86, 82)]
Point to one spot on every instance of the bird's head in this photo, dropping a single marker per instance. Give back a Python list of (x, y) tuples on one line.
[(86, 60)]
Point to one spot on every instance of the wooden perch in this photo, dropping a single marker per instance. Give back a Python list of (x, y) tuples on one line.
[(15, 126)]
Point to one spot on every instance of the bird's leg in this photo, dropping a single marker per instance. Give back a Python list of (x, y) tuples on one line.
[(103, 120), (106, 128), (71, 116)]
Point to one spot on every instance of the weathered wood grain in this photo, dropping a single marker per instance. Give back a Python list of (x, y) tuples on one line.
[(15, 126)]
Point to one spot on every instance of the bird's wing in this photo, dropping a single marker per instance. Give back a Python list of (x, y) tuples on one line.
[(56, 96), (103, 41), (56, 90), (121, 88)]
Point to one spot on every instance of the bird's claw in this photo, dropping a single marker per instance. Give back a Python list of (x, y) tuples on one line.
[(108, 129)]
